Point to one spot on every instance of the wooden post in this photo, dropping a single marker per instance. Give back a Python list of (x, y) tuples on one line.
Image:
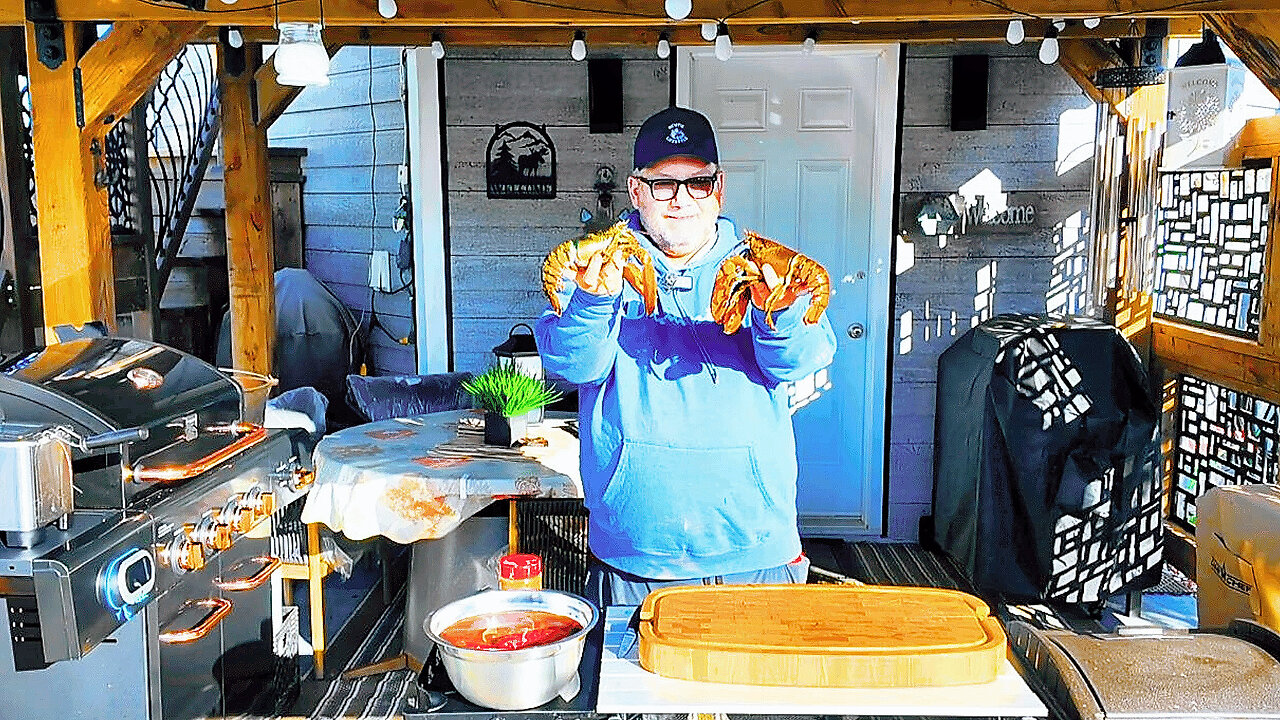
[(249, 235), (76, 276)]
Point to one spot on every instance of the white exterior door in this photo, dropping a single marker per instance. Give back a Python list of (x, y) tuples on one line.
[(807, 142)]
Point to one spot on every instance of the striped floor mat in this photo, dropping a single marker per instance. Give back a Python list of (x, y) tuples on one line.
[(377, 696)]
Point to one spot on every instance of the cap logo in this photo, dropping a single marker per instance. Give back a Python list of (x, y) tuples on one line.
[(675, 134)]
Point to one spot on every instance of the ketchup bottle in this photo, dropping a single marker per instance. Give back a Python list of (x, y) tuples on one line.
[(520, 571)]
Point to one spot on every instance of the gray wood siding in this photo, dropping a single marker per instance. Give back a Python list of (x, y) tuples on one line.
[(1038, 142), (497, 246), (350, 192)]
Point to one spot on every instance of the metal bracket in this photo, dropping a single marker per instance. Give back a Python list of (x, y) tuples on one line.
[(51, 42), (79, 91)]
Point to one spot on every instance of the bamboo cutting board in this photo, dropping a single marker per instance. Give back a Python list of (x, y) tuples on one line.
[(820, 636)]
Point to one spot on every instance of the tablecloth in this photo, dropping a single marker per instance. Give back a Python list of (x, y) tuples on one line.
[(418, 478)]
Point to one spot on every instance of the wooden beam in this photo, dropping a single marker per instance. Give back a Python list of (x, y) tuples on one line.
[(685, 34), (1082, 59), (120, 67), (643, 13), (1259, 139), (274, 98), (1255, 39), (1228, 361), (76, 275), (248, 221)]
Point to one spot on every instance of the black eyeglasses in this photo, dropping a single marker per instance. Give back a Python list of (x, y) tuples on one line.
[(699, 187)]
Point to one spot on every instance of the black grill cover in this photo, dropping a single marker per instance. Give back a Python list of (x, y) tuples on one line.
[(1045, 460), (314, 344)]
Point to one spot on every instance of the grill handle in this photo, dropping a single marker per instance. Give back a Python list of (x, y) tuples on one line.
[(218, 609), (116, 437)]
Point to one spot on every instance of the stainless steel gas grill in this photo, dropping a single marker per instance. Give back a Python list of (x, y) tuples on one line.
[(133, 557)]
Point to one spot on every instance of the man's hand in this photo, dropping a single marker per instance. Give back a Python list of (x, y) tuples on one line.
[(602, 275), (760, 290)]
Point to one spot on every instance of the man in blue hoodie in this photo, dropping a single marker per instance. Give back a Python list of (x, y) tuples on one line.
[(687, 449)]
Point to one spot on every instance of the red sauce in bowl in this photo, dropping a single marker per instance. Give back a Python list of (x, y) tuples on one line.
[(509, 630)]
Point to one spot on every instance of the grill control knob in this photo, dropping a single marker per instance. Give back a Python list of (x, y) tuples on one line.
[(268, 503), (237, 514), (184, 553), (243, 523), (191, 557), (221, 537)]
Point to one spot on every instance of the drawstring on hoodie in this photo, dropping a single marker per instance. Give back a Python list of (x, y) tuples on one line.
[(668, 283)]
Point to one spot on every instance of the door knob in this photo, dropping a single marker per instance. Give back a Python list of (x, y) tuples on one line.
[(855, 330)]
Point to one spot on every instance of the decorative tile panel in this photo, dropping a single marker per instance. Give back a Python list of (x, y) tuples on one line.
[(1211, 236), (1224, 437)]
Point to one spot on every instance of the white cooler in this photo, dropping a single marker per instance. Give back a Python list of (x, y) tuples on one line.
[(1238, 555)]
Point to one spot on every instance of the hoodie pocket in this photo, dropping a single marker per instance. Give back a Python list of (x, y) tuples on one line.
[(688, 501)]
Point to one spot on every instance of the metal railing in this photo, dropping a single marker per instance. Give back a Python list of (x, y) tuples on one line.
[(183, 120)]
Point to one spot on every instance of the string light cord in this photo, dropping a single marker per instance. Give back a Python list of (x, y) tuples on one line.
[(206, 11), (1112, 16)]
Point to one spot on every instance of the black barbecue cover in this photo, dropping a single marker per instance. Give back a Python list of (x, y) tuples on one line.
[(314, 344), (1045, 460)]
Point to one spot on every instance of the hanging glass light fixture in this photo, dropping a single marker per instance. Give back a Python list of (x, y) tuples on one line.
[(578, 49), (300, 57), (1092, 23), (437, 46), (234, 38), (387, 8), (708, 31)]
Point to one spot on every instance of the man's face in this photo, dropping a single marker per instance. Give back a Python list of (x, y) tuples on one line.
[(681, 225)]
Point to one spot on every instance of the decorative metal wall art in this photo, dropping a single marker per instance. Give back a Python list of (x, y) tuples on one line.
[(1225, 437), (520, 162), (1210, 241)]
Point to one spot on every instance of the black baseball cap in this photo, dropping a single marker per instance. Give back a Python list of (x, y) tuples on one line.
[(675, 131)]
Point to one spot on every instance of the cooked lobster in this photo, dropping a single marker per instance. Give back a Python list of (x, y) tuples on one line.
[(570, 258), (797, 274)]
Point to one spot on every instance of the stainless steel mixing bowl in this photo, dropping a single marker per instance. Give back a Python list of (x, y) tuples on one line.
[(513, 679)]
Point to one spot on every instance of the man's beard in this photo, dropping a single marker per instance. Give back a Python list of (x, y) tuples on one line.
[(681, 242)]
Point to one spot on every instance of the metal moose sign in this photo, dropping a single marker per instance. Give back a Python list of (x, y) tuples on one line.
[(520, 162)]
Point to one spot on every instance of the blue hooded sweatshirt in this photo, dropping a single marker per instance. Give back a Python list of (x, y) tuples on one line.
[(687, 451)]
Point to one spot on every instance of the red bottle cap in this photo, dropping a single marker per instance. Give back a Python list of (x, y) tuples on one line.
[(520, 566)]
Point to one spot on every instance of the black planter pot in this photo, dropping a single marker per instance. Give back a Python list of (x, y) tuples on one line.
[(505, 431)]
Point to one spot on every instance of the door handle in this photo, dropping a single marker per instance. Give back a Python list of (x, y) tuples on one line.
[(855, 330)]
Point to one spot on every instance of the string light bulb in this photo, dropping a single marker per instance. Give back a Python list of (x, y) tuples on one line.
[(387, 8), (724, 46), (1092, 23), (664, 46), (810, 42), (578, 50), (678, 9), (1015, 33), (437, 46), (1049, 46), (234, 38), (708, 31)]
